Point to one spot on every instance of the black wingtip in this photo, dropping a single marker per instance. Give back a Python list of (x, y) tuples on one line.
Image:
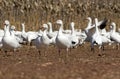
[(104, 23)]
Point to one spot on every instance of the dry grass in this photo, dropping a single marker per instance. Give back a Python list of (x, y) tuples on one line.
[(36, 12)]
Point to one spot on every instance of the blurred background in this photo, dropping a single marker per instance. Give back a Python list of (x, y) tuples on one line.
[(36, 12)]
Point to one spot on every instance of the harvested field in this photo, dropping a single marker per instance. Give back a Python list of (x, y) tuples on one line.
[(79, 64)]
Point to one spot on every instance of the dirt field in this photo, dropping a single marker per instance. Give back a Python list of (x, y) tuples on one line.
[(80, 63)]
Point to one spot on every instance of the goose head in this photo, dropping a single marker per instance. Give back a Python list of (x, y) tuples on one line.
[(89, 18), (45, 26), (7, 22), (22, 24), (72, 24), (60, 22), (12, 27), (113, 26), (49, 23)]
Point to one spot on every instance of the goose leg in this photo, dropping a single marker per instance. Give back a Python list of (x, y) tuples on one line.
[(39, 52), (67, 52), (92, 48), (6, 53), (59, 52), (117, 46), (101, 49)]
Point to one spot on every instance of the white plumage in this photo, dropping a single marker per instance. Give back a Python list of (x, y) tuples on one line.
[(9, 41)]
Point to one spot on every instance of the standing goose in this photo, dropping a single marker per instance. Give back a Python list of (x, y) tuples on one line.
[(42, 41), (16, 34), (88, 29), (96, 37), (63, 41), (74, 38), (115, 36), (9, 41), (92, 30), (51, 33)]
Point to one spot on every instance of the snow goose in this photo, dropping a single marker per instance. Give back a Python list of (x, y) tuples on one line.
[(96, 38), (28, 36), (63, 41), (1, 36), (42, 42), (93, 33), (9, 41), (17, 34), (74, 37), (51, 33), (45, 40), (115, 36), (90, 29)]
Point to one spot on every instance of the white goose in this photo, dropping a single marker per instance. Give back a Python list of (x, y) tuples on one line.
[(9, 41), (23, 32), (96, 37), (103, 38), (93, 33), (73, 36), (51, 33), (88, 29), (1, 36), (115, 36), (28, 36), (63, 41), (42, 41)]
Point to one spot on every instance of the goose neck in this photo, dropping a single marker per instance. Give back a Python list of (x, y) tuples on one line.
[(60, 29), (72, 29), (50, 30), (23, 29), (96, 27), (6, 30), (114, 28), (89, 23)]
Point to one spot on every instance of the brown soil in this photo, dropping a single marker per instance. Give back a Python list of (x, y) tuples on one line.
[(80, 63)]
